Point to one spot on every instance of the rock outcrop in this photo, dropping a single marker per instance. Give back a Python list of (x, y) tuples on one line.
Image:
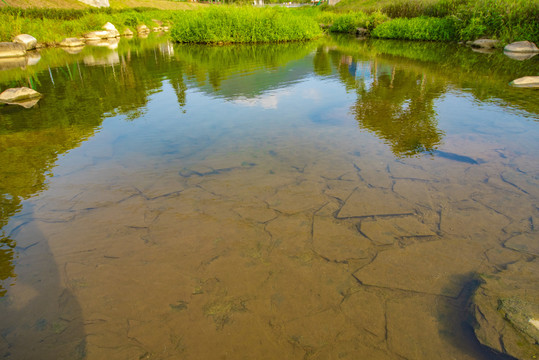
[(505, 310), (522, 47), (28, 41), (526, 81), (11, 49)]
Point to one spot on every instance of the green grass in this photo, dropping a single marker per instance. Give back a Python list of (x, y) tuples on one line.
[(230, 24), (53, 25), (348, 23), (421, 28), (507, 20)]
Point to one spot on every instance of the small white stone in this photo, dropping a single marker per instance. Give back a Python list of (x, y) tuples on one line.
[(535, 323)]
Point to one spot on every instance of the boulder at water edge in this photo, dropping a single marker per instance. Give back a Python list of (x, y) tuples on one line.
[(11, 49), (143, 29), (505, 310), (28, 41), (127, 32), (72, 42), (522, 47), (526, 81), (18, 94), (485, 43)]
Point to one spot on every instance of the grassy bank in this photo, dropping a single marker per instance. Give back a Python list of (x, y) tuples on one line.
[(507, 20), (53, 25), (232, 24)]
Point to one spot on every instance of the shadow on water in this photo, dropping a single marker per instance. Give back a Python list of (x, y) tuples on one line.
[(40, 316)]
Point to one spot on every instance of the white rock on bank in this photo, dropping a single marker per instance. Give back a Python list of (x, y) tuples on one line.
[(526, 81), (522, 47), (96, 3), (72, 42), (485, 43), (141, 29), (18, 94), (11, 49), (127, 32), (28, 41)]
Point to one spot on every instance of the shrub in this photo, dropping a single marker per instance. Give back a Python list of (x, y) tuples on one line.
[(422, 28)]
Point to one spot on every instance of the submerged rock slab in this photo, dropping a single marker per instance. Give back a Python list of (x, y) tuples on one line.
[(387, 231), (522, 47), (525, 243), (435, 267), (505, 311), (369, 202)]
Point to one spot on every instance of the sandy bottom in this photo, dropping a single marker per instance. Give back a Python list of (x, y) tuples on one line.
[(296, 246)]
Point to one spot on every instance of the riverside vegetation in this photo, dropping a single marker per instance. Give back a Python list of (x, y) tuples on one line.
[(438, 20)]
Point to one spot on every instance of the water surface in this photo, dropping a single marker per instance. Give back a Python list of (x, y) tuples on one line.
[(322, 200)]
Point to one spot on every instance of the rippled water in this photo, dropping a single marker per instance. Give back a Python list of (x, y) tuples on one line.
[(323, 200)]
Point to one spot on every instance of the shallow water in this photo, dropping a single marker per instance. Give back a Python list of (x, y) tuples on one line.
[(326, 200)]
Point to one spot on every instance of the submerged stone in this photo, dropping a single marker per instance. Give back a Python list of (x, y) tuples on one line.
[(522, 47), (505, 311)]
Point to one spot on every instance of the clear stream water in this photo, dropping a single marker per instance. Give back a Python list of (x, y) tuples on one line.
[(325, 200)]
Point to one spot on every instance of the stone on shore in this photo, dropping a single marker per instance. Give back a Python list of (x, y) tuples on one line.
[(101, 34), (11, 49), (28, 41), (127, 32), (72, 42), (505, 311), (485, 43), (16, 94), (526, 81), (143, 29), (522, 47)]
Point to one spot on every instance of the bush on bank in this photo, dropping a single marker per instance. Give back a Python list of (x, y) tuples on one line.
[(421, 28), (243, 25)]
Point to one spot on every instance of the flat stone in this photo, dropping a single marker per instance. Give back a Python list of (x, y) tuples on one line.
[(522, 47), (485, 43), (102, 34), (11, 49), (435, 267), (386, 231), (72, 42), (338, 240), (28, 41), (506, 308), (367, 202), (526, 81), (527, 243), (18, 94)]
